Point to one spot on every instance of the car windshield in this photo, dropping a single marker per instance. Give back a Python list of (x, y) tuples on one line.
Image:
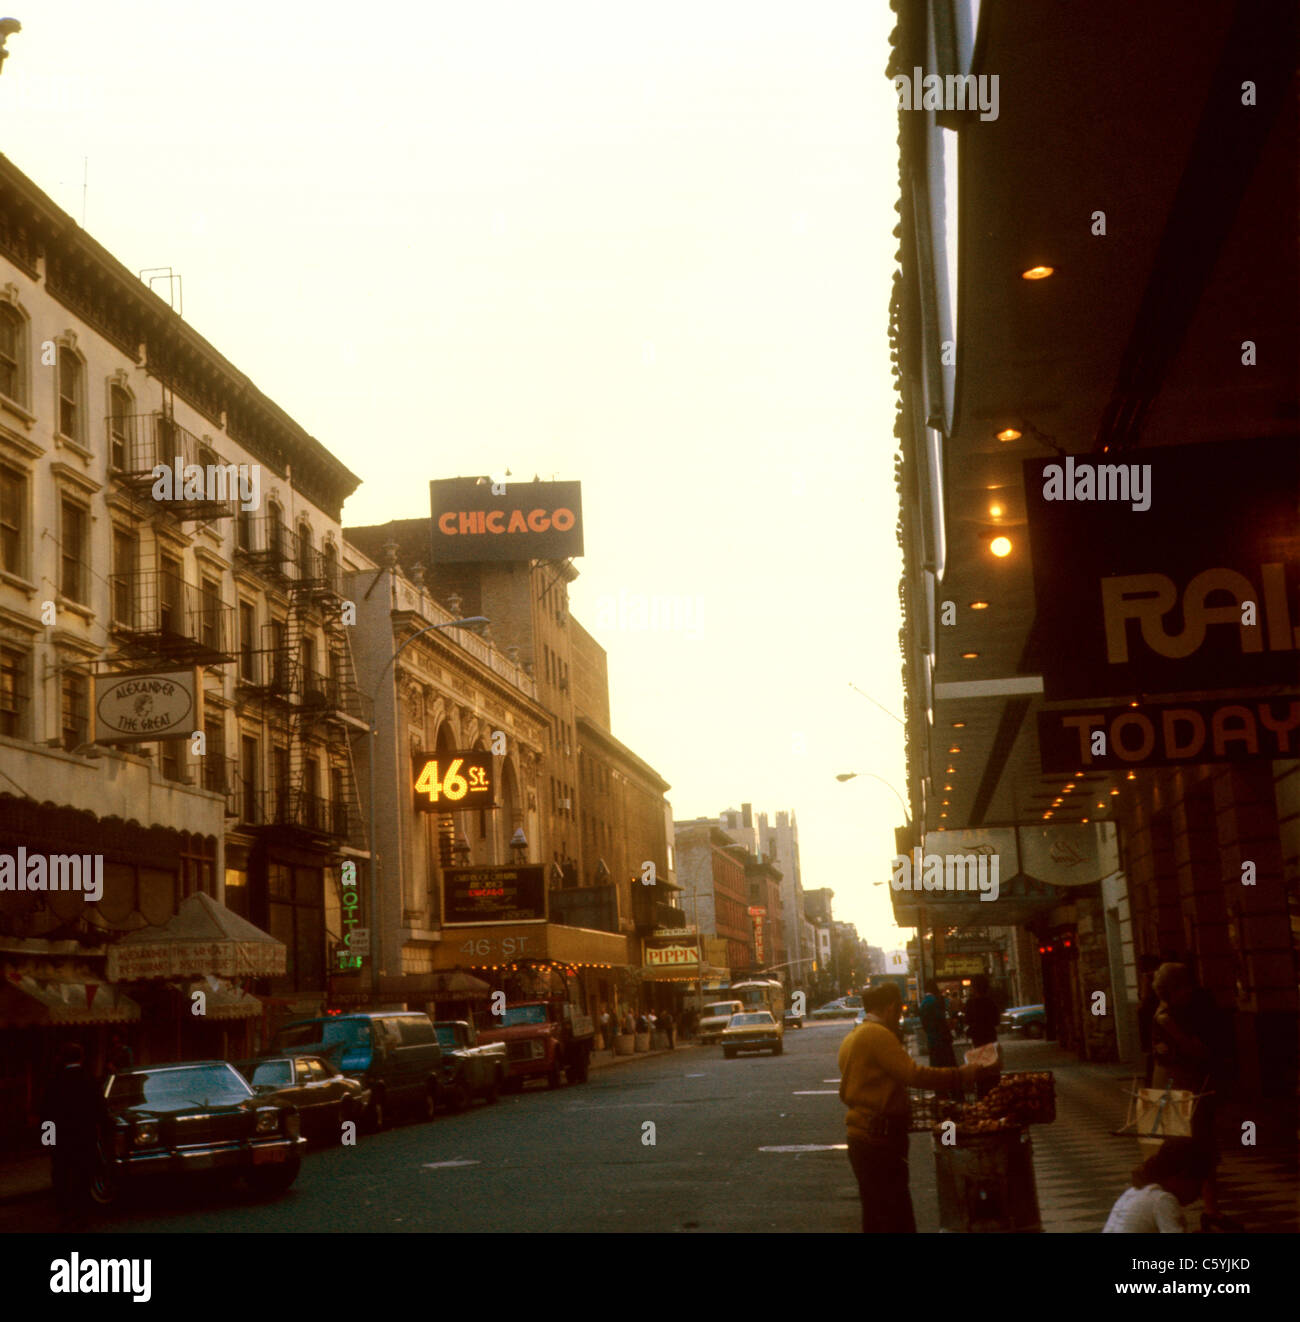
[(179, 1089), (751, 1020), (332, 1032), (446, 1036), (524, 1014), (722, 1009), (271, 1073)]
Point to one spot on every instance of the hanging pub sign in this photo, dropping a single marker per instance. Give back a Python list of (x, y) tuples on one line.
[(1165, 571), (455, 781), (138, 708), (477, 520), (1169, 734), (473, 896)]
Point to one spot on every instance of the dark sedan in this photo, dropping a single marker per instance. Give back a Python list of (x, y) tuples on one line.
[(200, 1116), (324, 1097)]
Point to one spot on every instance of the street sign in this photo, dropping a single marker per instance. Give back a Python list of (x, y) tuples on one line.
[(454, 781)]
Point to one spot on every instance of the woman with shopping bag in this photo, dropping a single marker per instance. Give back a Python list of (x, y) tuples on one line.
[(1187, 1048)]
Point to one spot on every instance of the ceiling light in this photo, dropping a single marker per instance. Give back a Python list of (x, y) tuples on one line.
[(950, 770), (969, 656), (945, 803), (1000, 546), (996, 511), (979, 605), (1008, 434), (954, 749), (1037, 273), (1113, 793), (1069, 787), (959, 725), (947, 787), (1132, 775)]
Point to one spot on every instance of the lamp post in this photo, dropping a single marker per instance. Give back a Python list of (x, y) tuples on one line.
[(907, 821), (372, 889)]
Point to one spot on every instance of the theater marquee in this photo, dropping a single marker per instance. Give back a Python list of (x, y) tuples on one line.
[(477, 521)]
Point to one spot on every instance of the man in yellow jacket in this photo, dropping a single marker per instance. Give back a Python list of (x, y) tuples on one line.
[(875, 1074)]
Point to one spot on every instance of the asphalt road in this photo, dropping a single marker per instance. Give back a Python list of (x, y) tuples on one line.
[(578, 1159)]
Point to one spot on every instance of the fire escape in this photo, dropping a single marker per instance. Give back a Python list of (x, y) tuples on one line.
[(318, 709)]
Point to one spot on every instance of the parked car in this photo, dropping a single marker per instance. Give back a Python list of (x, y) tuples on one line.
[(470, 1068), (792, 1020), (1031, 1020), (394, 1053), (325, 1098), (754, 1030), (715, 1017), (196, 1116)]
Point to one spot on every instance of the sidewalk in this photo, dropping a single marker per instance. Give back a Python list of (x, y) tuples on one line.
[(1081, 1167)]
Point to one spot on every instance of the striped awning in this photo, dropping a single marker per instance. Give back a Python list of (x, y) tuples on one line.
[(28, 1002)]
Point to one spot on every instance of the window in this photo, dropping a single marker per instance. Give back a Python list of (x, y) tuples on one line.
[(306, 554), (244, 531), (125, 550), (210, 605), (169, 596), (214, 761), (13, 691), (280, 783), (75, 528), (247, 641), (331, 574), (338, 801), (248, 777), (311, 793), (13, 353), (71, 389), (119, 424), (13, 520), (75, 706), (275, 531), (169, 759)]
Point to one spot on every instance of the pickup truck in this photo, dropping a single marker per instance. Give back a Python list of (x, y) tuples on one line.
[(470, 1068), (545, 1038)]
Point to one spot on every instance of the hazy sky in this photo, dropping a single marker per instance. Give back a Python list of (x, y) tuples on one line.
[(645, 247)]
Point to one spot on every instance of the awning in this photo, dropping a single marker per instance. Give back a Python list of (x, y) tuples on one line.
[(202, 937), (456, 985), (26, 1002)]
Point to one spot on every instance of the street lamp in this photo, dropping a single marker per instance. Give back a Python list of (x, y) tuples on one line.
[(373, 888)]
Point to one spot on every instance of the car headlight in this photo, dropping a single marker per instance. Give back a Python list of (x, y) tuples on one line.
[(145, 1133), (268, 1120)]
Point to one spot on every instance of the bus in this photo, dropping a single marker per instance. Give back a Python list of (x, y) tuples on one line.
[(761, 994)]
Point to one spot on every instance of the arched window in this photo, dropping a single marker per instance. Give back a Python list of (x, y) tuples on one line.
[(306, 553), (331, 568), (120, 409), (275, 535), (13, 353), (72, 396)]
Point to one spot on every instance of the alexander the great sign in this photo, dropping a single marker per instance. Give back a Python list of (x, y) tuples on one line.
[(139, 708), (1188, 585), (478, 520)]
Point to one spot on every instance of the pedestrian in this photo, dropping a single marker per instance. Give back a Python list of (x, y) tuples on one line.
[(75, 1107), (981, 1015), (1190, 1053), (667, 1027), (1146, 1012), (875, 1074), (120, 1056), (1162, 1186), (934, 1022), (629, 1023)]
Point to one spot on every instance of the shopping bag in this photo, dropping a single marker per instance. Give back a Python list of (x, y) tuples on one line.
[(1163, 1113)]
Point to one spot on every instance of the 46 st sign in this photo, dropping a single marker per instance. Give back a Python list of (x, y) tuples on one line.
[(454, 782)]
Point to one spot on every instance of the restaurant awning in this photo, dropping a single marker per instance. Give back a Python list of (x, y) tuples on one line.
[(27, 1002), (202, 937)]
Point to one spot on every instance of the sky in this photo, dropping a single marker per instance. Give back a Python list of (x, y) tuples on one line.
[(644, 247)]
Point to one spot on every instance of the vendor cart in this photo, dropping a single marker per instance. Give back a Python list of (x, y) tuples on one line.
[(984, 1155)]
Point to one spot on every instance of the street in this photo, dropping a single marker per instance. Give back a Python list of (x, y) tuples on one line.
[(579, 1159)]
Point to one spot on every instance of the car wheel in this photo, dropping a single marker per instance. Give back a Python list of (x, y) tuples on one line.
[(457, 1097), (429, 1102), (1034, 1030), (274, 1180), (105, 1185), (729, 1052)]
